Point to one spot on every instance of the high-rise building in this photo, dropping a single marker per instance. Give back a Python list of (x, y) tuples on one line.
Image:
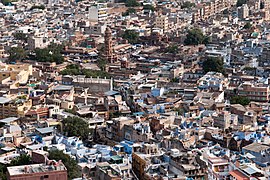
[(243, 11), (162, 22), (98, 13)]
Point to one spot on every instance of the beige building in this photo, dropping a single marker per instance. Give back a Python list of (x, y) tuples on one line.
[(11, 76), (37, 42), (258, 92), (115, 128), (14, 107), (210, 8), (225, 119), (162, 22)]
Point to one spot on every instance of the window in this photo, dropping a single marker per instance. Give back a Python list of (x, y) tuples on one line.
[(46, 176)]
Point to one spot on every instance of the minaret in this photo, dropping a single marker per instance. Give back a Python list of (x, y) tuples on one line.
[(108, 51)]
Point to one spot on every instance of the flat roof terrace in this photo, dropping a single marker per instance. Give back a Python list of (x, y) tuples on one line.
[(35, 168)]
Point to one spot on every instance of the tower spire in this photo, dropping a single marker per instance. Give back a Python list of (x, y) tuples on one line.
[(108, 51)]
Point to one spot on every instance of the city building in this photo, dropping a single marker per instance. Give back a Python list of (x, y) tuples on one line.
[(218, 168), (243, 11), (162, 22), (38, 171), (98, 12)]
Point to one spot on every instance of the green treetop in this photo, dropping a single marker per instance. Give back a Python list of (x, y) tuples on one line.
[(71, 164), (195, 37), (213, 64)]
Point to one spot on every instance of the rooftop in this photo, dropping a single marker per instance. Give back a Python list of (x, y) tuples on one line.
[(35, 168), (238, 175), (45, 130), (8, 120), (218, 161), (256, 147), (4, 100), (62, 88)]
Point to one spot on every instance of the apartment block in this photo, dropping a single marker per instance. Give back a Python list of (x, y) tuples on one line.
[(162, 22), (98, 13), (218, 168), (14, 107), (255, 92), (243, 11)]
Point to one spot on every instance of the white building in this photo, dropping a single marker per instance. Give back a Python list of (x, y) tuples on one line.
[(37, 42), (98, 13), (243, 12)]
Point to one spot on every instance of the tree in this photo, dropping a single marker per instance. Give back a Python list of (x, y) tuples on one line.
[(114, 114), (149, 7), (45, 148), (50, 54), (23, 159), (173, 49), (187, 4), (132, 36), (71, 164), (56, 48), (262, 5), (83, 44), (195, 37), (132, 3), (213, 64), (101, 63), (75, 69), (72, 69), (226, 11), (38, 7), (6, 2), (180, 111), (75, 126), (71, 111), (129, 11), (20, 36), (18, 161), (247, 25), (2, 124), (95, 73), (3, 172), (175, 80), (240, 100), (16, 54), (247, 68), (240, 2)]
